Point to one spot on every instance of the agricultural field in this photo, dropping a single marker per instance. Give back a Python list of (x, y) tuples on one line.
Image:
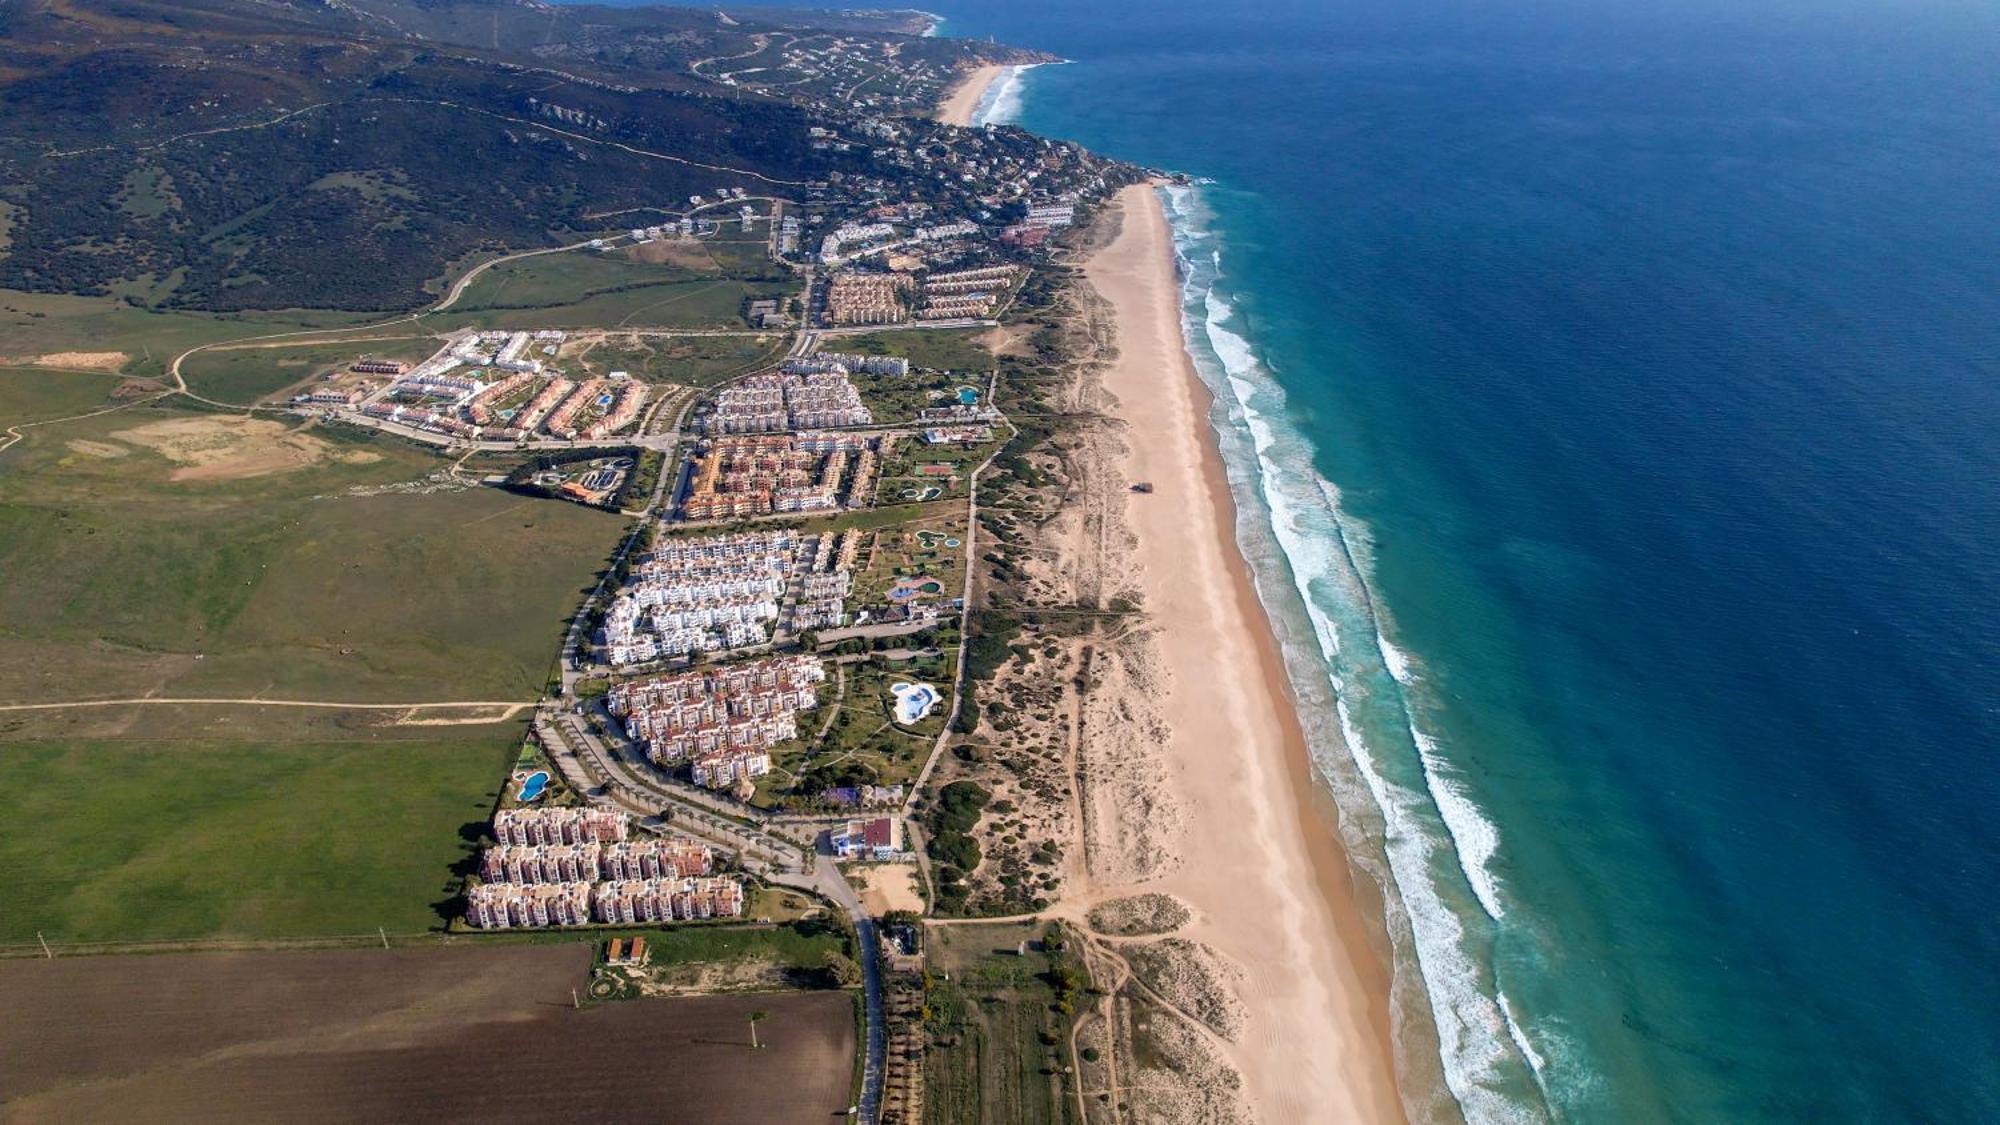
[(140, 839), (166, 552), (254, 373), (942, 349), (999, 1024), (479, 1031)]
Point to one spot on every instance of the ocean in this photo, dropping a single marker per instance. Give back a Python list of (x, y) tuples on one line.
[(1611, 393), (1612, 397)]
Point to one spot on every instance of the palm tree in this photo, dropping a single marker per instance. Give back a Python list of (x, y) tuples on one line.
[(757, 1017)]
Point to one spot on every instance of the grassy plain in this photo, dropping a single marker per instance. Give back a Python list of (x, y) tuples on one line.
[(482, 1033), (351, 577), (998, 1038), (40, 323), (135, 839), (250, 374), (584, 289), (949, 349), (30, 394), (692, 361)]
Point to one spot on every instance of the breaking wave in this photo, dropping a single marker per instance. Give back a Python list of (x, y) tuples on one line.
[(1437, 847), (1001, 104)]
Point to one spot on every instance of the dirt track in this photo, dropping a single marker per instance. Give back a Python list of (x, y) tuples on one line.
[(483, 1034)]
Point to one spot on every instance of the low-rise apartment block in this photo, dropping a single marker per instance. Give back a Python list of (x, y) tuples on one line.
[(721, 720)]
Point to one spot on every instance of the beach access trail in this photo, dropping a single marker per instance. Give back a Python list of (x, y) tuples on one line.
[(1260, 867)]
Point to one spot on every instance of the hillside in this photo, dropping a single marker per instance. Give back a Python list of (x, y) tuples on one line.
[(223, 155)]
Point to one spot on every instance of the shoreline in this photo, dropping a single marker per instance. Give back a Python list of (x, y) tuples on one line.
[(966, 94), (1261, 864)]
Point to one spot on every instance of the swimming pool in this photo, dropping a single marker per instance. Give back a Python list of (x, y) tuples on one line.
[(968, 396), (913, 701), (533, 785)]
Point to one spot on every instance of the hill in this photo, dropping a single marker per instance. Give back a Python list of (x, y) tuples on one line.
[(223, 155)]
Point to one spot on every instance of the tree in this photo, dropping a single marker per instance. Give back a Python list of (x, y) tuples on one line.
[(757, 1017), (842, 970)]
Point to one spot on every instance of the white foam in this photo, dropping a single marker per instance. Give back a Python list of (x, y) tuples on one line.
[(1396, 660), (1520, 1037), (1476, 1038), (1474, 838), (1001, 104)]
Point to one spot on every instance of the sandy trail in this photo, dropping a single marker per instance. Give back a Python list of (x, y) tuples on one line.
[(1268, 886)]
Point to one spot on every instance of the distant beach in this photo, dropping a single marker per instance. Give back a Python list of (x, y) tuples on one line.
[(963, 102)]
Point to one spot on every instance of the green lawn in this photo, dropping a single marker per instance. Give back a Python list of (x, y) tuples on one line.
[(140, 840)]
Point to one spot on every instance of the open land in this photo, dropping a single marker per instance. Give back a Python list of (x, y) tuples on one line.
[(139, 839), (374, 1035)]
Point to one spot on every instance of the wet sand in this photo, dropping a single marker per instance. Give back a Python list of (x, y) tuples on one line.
[(1261, 865)]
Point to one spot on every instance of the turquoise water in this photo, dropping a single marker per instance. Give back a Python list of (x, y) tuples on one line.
[(533, 785), (1612, 397)]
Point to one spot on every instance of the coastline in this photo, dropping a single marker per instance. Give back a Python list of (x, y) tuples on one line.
[(967, 93), (1258, 860)]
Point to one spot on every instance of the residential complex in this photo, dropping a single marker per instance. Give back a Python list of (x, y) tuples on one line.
[(727, 591), (487, 386), (722, 721), (739, 476), (786, 400), (569, 867)]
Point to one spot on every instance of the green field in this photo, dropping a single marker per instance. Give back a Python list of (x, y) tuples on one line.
[(588, 290), (693, 361), (40, 323), (247, 375), (35, 394), (139, 840), (998, 1037), (950, 349), (350, 578)]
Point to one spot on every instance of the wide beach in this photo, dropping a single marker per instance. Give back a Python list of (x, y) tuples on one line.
[(1257, 861), (965, 96)]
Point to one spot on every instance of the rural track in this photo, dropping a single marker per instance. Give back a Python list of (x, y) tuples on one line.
[(512, 706)]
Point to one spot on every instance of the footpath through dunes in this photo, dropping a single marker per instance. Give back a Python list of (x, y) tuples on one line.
[(1269, 889), (484, 1033)]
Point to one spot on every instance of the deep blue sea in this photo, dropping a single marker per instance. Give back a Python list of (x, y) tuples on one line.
[(1612, 394)]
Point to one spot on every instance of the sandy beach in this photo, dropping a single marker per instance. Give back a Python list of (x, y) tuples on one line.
[(964, 100), (1257, 861)]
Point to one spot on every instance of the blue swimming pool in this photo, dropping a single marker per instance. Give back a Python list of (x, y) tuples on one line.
[(533, 784), (968, 396)]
